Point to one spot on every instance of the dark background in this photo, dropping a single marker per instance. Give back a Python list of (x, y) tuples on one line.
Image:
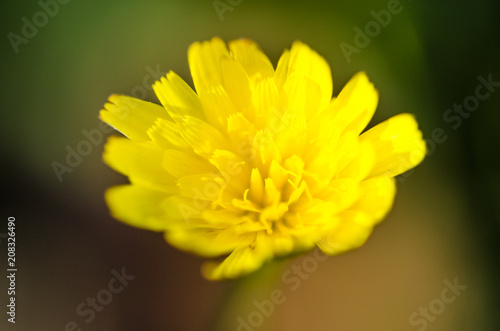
[(445, 223)]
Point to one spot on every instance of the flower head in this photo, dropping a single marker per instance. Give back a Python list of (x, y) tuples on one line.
[(258, 162)]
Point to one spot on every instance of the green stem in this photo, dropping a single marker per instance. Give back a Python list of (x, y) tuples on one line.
[(239, 304)]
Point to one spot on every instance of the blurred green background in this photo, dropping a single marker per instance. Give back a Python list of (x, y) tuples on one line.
[(445, 223)]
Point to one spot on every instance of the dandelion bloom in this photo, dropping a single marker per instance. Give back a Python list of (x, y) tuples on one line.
[(257, 162)]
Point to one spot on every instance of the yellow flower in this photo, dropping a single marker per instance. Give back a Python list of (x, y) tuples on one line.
[(257, 162)]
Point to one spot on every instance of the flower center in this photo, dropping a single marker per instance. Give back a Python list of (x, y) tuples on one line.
[(271, 203)]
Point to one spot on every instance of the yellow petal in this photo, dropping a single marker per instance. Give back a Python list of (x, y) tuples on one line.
[(299, 100), (233, 171), (137, 206), (350, 233), (398, 145), (180, 164), (342, 193), (217, 106), (223, 218), (256, 191), (282, 70), (294, 166), (241, 132), (205, 63), (271, 193), (359, 163), (253, 60), (132, 117), (241, 261), (377, 198), (237, 86), (204, 187), (266, 104), (283, 244), (166, 134), (278, 174), (206, 242), (177, 97), (322, 130), (229, 162), (312, 218), (142, 162), (356, 103), (307, 63), (265, 150), (184, 212), (329, 160), (203, 137), (356, 223)]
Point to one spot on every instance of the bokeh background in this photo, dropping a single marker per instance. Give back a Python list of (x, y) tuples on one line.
[(445, 224)]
